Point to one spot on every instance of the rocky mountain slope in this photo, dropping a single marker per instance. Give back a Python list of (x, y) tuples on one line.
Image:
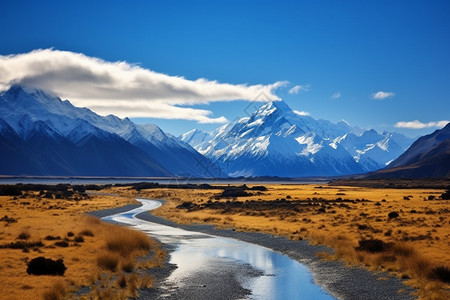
[(428, 157)]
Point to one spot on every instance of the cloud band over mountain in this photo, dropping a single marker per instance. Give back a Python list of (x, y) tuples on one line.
[(122, 88), (416, 124)]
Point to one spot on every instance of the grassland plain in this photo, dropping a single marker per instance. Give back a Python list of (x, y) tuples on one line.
[(102, 259), (403, 231)]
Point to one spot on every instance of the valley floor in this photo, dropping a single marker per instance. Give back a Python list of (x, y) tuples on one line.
[(102, 260), (402, 231)]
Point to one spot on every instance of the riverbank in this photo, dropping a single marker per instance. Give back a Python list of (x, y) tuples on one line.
[(228, 280), (341, 281), (397, 231)]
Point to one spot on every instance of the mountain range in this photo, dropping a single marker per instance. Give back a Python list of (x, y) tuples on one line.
[(427, 157), (277, 141), (42, 135)]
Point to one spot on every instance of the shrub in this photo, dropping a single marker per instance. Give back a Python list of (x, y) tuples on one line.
[(441, 273), (52, 238), (70, 234), (257, 188), (446, 195), (24, 235), (62, 244), (87, 232), (22, 245), (231, 192), (185, 205), (78, 239), (46, 266), (372, 246), (8, 219), (10, 190), (393, 214)]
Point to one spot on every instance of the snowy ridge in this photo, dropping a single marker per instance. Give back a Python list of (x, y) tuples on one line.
[(276, 141), (30, 111)]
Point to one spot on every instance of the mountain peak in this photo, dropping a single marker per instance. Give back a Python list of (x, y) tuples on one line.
[(17, 89), (274, 105)]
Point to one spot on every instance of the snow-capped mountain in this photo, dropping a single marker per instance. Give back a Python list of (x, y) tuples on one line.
[(111, 145), (276, 141), (428, 157)]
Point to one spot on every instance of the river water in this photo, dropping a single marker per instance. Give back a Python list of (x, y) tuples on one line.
[(279, 277)]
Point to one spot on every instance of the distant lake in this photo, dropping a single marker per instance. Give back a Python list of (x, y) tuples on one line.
[(112, 180)]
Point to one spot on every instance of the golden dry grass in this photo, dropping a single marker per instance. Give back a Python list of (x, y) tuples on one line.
[(419, 238), (58, 221)]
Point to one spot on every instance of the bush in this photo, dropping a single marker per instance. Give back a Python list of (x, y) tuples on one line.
[(78, 239), (52, 238), (446, 195), (46, 266), (393, 214), (372, 246), (231, 192), (8, 219), (259, 188), (22, 245), (441, 273), (24, 235), (87, 232), (10, 190), (62, 244)]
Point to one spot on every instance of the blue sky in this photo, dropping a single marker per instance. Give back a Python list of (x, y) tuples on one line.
[(349, 49)]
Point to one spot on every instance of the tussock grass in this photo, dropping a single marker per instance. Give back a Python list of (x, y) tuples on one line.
[(126, 241), (108, 261), (122, 248), (57, 291), (127, 265)]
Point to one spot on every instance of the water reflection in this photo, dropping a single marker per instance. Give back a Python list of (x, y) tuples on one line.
[(283, 277)]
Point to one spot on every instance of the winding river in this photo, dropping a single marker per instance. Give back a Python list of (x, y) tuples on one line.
[(270, 275)]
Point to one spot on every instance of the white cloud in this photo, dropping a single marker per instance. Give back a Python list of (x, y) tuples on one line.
[(416, 124), (122, 88), (298, 88), (336, 95), (380, 95), (301, 113)]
